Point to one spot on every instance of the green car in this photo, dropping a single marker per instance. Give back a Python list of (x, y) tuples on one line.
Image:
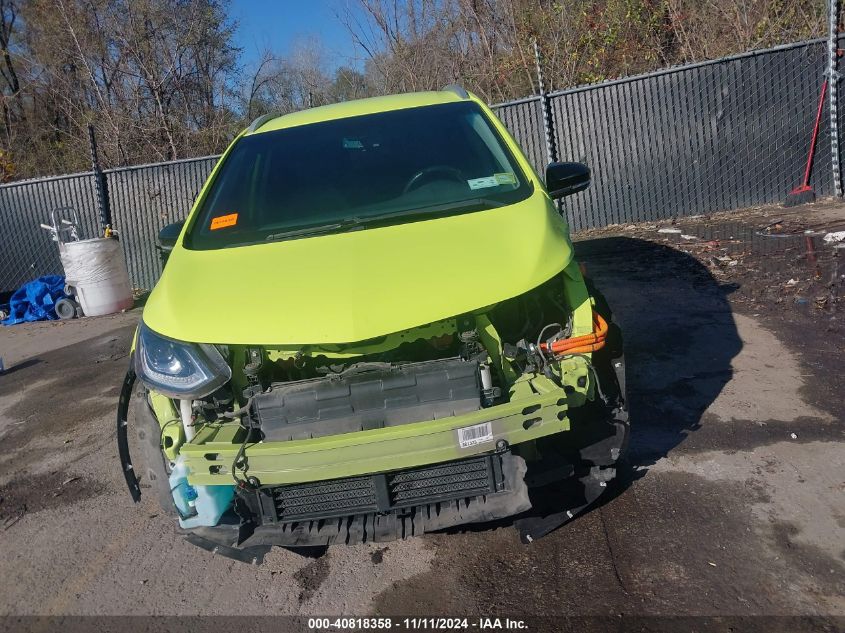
[(371, 326)]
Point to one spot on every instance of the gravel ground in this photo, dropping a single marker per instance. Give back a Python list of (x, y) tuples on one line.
[(730, 503)]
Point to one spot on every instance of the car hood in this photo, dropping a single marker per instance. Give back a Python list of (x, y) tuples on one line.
[(362, 284)]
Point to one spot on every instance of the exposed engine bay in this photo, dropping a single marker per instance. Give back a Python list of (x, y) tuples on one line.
[(449, 423)]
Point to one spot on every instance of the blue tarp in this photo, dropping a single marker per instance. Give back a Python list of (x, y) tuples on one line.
[(36, 300)]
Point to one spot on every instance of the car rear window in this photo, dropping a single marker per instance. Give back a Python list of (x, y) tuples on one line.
[(339, 174)]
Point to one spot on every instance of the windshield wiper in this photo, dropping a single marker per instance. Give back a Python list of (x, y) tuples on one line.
[(432, 210), (364, 220), (308, 231)]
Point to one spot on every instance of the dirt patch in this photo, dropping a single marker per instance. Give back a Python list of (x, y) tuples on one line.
[(311, 577), (811, 558), (645, 552), (798, 485), (378, 556), (744, 434), (66, 389), (27, 495), (26, 342), (770, 260)]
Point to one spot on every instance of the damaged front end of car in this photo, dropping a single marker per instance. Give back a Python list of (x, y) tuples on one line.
[(405, 346), (464, 420)]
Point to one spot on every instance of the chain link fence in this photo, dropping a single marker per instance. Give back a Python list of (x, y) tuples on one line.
[(26, 250), (714, 136), (524, 120), (144, 200), (719, 135)]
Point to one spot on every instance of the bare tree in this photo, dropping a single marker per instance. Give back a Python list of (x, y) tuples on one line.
[(162, 79), (155, 77), (420, 44)]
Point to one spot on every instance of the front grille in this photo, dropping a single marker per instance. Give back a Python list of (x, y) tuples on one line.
[(456, 479), (383, 492), (326, 498)]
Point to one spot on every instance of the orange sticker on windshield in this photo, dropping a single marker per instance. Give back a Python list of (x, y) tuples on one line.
[(222, 221)]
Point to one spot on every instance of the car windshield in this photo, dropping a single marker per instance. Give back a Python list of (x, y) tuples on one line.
[(355, 172)]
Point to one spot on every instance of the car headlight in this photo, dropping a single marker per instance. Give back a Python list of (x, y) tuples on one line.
[(177, 369)]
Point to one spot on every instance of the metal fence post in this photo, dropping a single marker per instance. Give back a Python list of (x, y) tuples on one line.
[(100, 185), (545, 105), (833, 95), (642, 132)]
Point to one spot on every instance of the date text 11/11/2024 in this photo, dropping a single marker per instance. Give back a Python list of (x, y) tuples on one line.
[(416, 624)]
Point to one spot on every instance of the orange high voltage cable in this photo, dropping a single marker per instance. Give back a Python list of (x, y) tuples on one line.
[(581, 344)]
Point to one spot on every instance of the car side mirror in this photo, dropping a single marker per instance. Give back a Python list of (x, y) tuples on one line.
[(564, 179), (169, 234), (167, 240)]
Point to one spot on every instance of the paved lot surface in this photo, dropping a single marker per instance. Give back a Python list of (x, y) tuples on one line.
[(731, 500)]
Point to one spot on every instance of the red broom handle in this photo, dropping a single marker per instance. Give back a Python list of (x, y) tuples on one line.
[(815, 136)]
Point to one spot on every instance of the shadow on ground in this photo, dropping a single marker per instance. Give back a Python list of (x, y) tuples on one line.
[(679, 340), (679, 333)]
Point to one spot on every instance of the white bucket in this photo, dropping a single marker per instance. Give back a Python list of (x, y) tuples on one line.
[(97, 270)]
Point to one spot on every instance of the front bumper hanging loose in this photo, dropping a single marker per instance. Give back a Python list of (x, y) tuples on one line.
[(123, 432)]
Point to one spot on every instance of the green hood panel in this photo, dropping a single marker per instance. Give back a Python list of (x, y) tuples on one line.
[(362, 284)]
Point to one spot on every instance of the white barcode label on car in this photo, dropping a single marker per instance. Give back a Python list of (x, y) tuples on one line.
[(476, 434)]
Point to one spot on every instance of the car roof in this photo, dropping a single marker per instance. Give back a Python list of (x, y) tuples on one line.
[(356, 108)]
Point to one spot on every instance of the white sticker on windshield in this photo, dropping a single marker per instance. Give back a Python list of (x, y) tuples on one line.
[(495, 180), (481, 183)]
